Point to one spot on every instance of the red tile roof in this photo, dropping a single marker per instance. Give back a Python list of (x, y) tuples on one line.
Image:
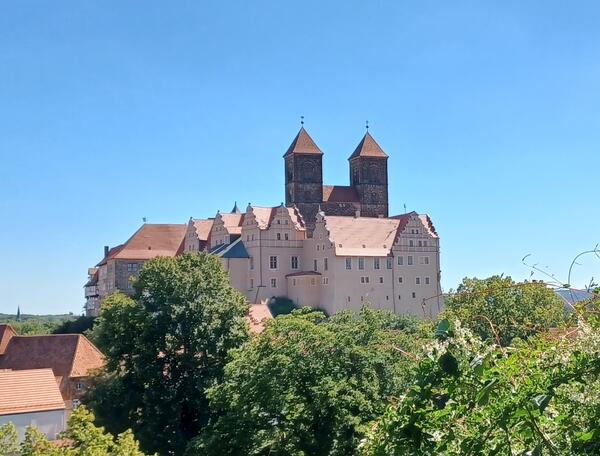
[(303, 273), (6, 333), (303, 144), (368, 147), (339, 194), (232, 222), (68, 355), (26, 391), (203, 227), (362, 236), (150, 241), (257, 316)]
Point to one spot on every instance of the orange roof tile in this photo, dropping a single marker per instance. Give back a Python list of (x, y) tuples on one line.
[(203, 227), (26, 391), (257, 316), (232, 222), (303, 144), (68, 355), (339, 194), (150, 241), (6, 333), (264, 216), (368, 147)]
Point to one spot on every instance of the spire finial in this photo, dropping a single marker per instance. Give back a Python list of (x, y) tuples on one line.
[(367, 125), (302, 121)]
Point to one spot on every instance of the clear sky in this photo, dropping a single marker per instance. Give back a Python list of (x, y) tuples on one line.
[(111, 111)]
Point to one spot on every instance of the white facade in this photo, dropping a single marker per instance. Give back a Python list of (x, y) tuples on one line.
[(386, 263), (50, 423)]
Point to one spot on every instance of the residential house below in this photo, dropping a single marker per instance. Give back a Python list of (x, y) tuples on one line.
[(32, 398), (72, 358)]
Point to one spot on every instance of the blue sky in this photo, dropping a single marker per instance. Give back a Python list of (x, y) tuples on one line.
[(114, 111)]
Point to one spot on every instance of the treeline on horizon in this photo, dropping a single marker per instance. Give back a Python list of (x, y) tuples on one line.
[(503, 370)]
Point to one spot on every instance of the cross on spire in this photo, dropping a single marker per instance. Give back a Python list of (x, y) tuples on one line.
[(302, 120), (367, 125)]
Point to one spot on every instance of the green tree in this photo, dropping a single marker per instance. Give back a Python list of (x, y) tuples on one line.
[(8, 439), (497, 308), (82, 438), (308, 385), (164, 348), (471, 397)]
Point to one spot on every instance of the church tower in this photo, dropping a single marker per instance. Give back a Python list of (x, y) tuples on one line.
[(368, 175), (304, 176)]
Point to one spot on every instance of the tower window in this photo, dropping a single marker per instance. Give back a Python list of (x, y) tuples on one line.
[(279, 236), (376, 263), (410, 260), (361, 263), (294, 262), (414, 295), (389, 262), (348, 263), (273, 262), (286, 237), (400, 260), (426, 280), (273, 283)]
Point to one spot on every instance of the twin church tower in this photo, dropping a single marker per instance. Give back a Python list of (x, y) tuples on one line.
[(366, 196)]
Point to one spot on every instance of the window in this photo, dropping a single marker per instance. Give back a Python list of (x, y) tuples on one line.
[(410, 260), (130, 283), (78, 386), (294, 262), (400, 280), (273, 283), (389, 262), (273, 262), (380, 279), (348, 263), (251, 262), (426, 280), (426, 260), (325, 280), (132, 267), (375, 263), (364, 279), (362, 298), (424, 243), (361, 263), (76, 403), (420, 243), (348, 298), (411, 243), (251, 284), (247, 237), (418, 280), (287, 238), (414, 295), (325, 264), (400, 260), (315, 265), (318, 247), (279, 236)]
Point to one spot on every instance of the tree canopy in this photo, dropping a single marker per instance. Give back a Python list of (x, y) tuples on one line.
[(498, 308), (164, 348), (308, 385), (82, 437)]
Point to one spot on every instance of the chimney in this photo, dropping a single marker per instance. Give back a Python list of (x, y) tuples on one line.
[(105, 251)]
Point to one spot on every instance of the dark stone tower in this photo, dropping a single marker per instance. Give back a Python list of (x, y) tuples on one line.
[(304, 176), (368, 175)]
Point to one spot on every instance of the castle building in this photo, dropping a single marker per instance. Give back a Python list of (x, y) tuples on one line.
[(331, 247)]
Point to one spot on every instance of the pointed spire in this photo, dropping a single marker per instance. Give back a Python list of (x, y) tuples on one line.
[(236, 209), (303, 144), (18, 313), (368, 147)]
